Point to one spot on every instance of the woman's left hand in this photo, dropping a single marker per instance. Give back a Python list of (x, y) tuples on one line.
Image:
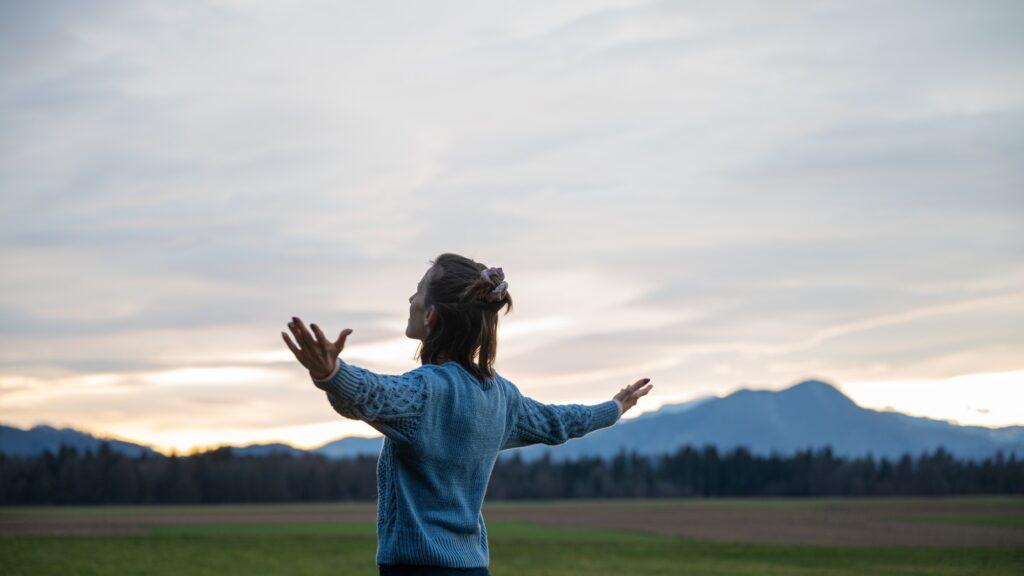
[(318, 354), (628, 396)]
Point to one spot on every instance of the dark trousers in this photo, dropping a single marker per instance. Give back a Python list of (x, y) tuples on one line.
[(415, 570)]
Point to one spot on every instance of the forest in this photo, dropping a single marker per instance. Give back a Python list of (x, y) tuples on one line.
[(104, 476)]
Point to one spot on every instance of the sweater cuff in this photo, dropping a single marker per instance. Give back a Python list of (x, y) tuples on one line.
[(320, 381), (605, 414), (344, 380)]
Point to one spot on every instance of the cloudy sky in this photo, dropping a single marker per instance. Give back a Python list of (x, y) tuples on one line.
[(714, 196)]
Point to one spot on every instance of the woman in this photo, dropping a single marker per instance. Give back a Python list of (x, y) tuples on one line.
[(444, 422)]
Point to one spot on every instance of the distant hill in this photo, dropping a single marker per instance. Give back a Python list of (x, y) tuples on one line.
[(42, 438), (675, 408), (810, 414), (264, 449), (351, 446)]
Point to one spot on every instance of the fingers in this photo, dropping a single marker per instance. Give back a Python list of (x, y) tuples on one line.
[(632, 388), (641, 392), (339, 344), (326, 345), (638, 383), (292, 347), (635, 394), (316, 342), (629, 389), (321, 340), (630, 394), (302, 335)]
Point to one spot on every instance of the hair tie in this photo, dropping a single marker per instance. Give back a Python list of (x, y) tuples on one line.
[(499, 291)]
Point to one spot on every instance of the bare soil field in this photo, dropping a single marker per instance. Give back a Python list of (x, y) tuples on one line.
[(918, 522), (921, 523)]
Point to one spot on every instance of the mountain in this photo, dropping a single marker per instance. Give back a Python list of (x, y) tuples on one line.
[(808, 415), (676, 408), (42, 438), (343, 448), (265, 449), (351, 446)]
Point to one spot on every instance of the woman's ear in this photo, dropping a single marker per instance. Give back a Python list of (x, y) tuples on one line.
[(429, 317)]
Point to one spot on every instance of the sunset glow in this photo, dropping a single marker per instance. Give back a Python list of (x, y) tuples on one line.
[(674, 191)]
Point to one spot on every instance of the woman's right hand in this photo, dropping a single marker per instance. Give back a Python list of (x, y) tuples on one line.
[(318, 354), (628, 396)]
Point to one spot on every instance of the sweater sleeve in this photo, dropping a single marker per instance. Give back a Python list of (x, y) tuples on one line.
[(392, 404), (557, 423)]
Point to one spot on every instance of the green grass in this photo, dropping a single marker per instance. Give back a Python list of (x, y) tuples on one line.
[(805, 503), (517, 548), (191, 509)]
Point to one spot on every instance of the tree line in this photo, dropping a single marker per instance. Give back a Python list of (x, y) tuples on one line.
[(104, 476)]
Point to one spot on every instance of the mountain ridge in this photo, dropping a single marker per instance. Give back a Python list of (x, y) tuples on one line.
[(811, 413)]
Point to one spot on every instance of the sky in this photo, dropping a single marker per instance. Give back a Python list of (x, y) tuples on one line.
[(713, 195)]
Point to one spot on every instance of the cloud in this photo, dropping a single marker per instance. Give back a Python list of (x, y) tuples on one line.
[(716, 196)]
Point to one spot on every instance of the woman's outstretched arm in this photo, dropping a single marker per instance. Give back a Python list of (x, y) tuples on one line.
[(538, 423), (392, 404)]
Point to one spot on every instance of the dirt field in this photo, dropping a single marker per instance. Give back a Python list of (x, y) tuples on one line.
[(923, 522)]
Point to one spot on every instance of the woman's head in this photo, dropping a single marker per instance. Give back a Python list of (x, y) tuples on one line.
[(454, 312)]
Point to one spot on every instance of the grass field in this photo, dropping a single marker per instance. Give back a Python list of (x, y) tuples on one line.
[(531, 538)]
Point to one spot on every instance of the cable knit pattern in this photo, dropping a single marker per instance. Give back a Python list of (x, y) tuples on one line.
[(551, 424), (443, 429), (390, 404)]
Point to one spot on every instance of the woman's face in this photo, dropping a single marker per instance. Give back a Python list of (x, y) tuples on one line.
[(420, 319)]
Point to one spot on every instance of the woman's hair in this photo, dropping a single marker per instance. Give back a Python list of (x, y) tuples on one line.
[(467, 320)]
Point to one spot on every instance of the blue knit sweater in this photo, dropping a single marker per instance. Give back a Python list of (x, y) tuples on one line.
[(443, 429)]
